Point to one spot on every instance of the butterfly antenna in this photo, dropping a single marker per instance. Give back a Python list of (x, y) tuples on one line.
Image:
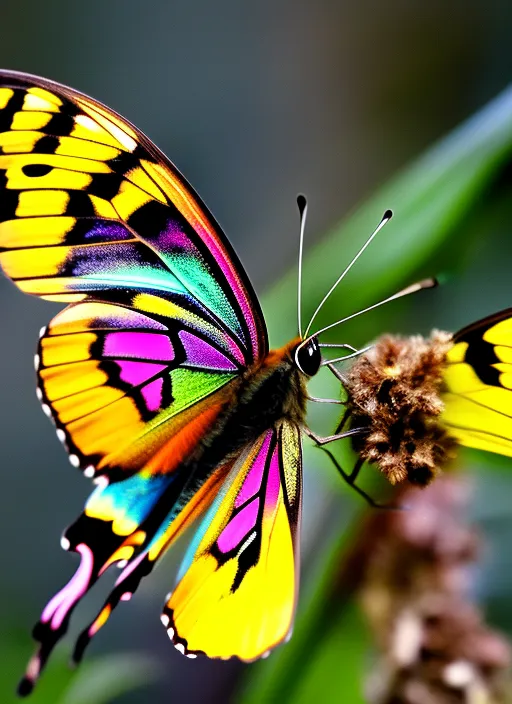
[(303, 211), (385, 219), (419, 286)]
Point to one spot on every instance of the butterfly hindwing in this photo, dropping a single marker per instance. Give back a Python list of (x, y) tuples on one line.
[(237, 586), (478, 385), (128, 388)]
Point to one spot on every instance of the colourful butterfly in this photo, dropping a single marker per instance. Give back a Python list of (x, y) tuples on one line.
[(157, 376)]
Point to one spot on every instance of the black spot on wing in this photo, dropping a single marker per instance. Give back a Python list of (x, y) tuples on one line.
[(35, 170), (79, 205), (47, 145), (8, 202), (104, 186), (248, 558), (126, 161), (60, 125), (481, 356), (150, 220)]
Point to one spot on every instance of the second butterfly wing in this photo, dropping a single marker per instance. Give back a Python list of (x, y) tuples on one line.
[(478, 381)]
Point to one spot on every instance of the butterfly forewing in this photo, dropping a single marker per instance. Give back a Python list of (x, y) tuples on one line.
[(90, 205), (91, 211)]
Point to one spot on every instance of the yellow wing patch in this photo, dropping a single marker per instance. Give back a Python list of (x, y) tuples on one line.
[(478, 385)]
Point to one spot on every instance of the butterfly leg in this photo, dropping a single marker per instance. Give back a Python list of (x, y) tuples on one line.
[(325, 440), (344, 419), (351, 478), (315, 399), (339, 376)]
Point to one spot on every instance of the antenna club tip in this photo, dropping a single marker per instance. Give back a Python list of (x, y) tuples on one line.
[(431, 282), (301, 202), (387, 215)]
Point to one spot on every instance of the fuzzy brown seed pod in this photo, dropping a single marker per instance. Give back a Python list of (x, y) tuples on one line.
[(394, 391)]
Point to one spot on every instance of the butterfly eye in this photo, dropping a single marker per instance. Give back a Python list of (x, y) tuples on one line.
[(308, 358)]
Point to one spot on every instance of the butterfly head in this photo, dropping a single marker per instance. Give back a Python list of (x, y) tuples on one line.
[(308, 357)]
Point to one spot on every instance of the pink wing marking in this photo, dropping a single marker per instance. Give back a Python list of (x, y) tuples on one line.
[(59, 606), (273, 483), (235, 350), (238, 527), (253, 480), (145, 345), (152, 394), (201, 354), (136, 373), (130, 568)]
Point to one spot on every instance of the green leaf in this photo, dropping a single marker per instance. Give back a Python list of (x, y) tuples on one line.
[(434, 199), (431, 200)]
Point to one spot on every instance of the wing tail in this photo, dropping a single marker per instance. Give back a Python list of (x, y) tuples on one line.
[(142, 563)]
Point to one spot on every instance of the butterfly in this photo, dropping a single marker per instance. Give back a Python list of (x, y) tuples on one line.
[(418, 398), (157, 376)]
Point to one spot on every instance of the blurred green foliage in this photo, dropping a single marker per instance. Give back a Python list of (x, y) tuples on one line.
[(98, 681), (434, 199)]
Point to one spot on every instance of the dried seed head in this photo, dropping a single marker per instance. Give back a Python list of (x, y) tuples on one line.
[(394, 392), (434, 645)]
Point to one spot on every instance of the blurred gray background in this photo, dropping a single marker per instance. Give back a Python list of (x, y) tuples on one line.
[(254, 102)]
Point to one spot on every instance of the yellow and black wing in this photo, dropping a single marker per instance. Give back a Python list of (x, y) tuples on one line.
[(478, 385), (237, 587)]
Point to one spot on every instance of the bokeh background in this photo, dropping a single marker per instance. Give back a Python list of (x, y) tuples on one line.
[(255, 102)]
